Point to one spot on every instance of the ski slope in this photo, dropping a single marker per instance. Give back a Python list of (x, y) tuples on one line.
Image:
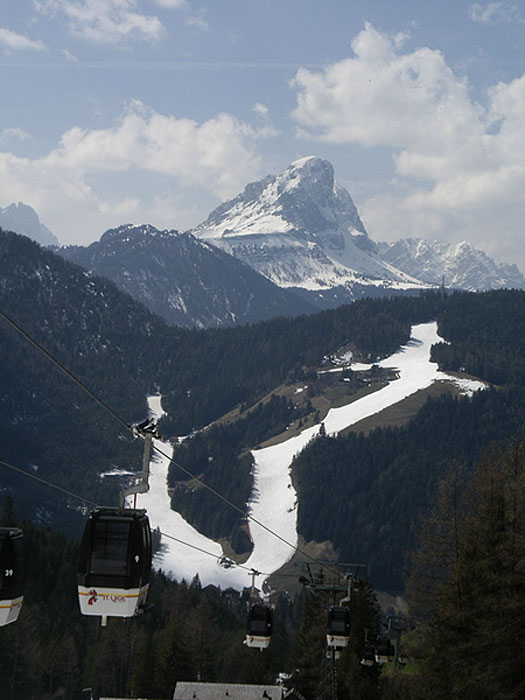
[(273, 499)]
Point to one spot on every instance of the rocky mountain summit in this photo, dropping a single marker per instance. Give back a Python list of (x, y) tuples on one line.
[(301, 229), (24, 220), (457, 265)]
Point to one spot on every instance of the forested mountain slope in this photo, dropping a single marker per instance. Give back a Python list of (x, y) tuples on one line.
[(366, 494), (486, 334), (48, 425), (123, 353), (186, 281), (212, 371)]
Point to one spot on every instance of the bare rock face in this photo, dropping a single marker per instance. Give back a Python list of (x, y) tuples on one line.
[(301, 229), (23, 219), (457, 265)]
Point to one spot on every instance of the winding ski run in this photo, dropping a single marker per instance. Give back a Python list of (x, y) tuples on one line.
[(273, 500)]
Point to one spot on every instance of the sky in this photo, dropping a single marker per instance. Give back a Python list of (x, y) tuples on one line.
[(156, 111)]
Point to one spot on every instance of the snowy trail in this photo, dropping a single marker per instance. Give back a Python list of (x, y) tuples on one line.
[(273, 501)]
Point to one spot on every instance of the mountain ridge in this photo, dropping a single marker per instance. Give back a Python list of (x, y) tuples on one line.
[(457, 265), (288, 244), (187, 281)]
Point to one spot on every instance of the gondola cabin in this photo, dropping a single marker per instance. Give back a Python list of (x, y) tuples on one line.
[(259, 627), (114, 563), (384, 650), (337, 626), (12, 573), (368, 657)]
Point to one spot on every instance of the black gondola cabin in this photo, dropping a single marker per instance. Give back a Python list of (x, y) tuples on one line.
[(384, 650), (368, 657), (259, 627), (12, 573), (337, 626), (114, 563)]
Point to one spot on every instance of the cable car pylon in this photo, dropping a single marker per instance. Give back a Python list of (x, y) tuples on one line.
[(337, 624), (146, 430)]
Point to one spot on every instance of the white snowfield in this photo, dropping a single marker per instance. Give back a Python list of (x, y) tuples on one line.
[(273, 501)]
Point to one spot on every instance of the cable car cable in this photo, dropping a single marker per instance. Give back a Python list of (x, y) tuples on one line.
[(63, 369), (203, 551), (48, 483), (96, 505), (129, 427), (52, 485), (240, 510)]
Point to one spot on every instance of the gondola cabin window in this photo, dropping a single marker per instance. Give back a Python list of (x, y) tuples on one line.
[(110, 548), (339, 626)]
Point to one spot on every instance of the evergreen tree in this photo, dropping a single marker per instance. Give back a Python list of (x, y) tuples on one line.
[(474, 644), (309, 645)]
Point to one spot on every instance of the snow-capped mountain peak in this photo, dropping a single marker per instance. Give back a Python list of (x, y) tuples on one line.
[(458, 265), (305, 197), (301, 229)]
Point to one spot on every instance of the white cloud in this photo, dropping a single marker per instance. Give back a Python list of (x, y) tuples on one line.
[(217, 157), (197, 22), (103, 21), (69, 56), (458, 163), (213, 155), (266, 128), (496, 13), (371, 99), (13, 41), (13, 133), (261, 110)]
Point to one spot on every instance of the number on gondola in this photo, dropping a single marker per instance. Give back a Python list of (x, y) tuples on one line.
[(12, 569)]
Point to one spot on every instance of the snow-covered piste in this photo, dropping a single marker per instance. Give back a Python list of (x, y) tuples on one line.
[(273, 500)]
